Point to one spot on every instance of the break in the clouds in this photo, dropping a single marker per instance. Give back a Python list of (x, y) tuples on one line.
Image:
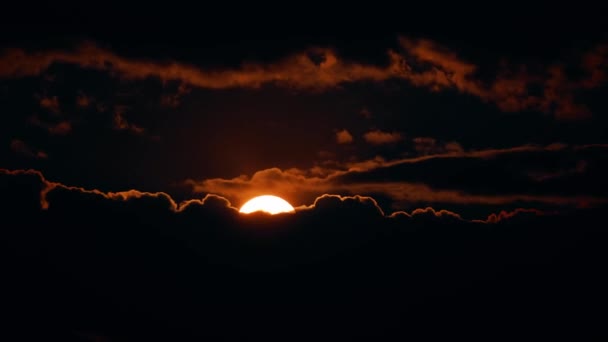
[(422, 63)]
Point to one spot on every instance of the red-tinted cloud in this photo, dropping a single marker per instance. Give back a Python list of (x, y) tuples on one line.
[(218, 205), (62, 127), (344, 137), (50, 103), (378, 137), (423, 63), (21, 148), (121, 123), (299, 70), (300, 186)]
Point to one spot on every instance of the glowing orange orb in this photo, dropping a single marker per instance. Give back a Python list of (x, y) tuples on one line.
[(267, 203)]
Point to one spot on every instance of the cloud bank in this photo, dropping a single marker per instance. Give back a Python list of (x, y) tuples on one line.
[(421, 63)]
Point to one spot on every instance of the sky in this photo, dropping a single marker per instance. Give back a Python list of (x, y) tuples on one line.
[(402, 129)]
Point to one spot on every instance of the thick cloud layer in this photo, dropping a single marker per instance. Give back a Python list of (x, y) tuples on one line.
[(135, 265)]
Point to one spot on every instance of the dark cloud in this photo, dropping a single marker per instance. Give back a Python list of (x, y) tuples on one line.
[(20, 147), (197, 268), (366, 113)]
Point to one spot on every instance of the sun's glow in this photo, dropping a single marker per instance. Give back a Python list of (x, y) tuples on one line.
[(267, 203)]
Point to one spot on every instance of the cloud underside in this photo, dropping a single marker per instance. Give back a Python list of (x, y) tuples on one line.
[(488, 177), (28, 191), (422, 63)]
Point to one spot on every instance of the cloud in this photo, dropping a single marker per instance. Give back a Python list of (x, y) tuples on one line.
[(196, 258), (491, 177), (378, 137), (300, 70), (509, 89), (519, 212), (422, 63), (50, 103), (344, 137), (54, 194), (430, 146), (59, 128), (366, 113), (83, 101), (427, 213), (21, 148), (121, 123), (173, 100)]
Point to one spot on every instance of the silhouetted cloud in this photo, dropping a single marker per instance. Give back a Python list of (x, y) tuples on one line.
[(97, 250), (378, 137), (20, 147), (50, 194), (344, 137)]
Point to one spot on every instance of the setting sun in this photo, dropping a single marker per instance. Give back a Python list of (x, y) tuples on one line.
[(267, 203)]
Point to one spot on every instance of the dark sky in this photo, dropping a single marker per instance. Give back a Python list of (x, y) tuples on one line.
[(377, 121)]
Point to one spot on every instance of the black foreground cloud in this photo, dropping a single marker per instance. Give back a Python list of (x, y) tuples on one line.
[(135, 266)]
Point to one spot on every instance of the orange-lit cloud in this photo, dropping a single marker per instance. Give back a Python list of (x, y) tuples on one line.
[(428, 145), (299, 70), (50, 103), (21, 148), (378, 137), (49, 186), (344, 137), (422, 62), (59, 128), (300, 186), (173, 100), (505, 215), (321, 204), (83, 100), (121, 123)]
